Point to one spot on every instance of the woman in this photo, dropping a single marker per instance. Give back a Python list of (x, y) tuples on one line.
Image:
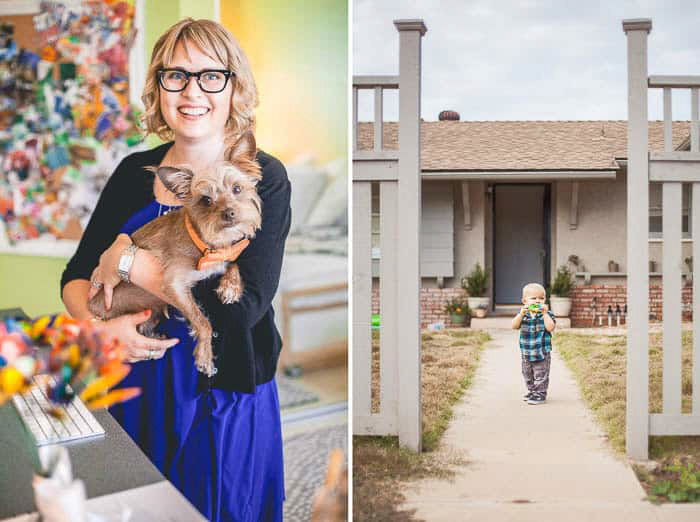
[(218, 439)]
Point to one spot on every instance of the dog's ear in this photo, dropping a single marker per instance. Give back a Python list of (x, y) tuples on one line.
[(244, 148), (177, 180), (243, 154)]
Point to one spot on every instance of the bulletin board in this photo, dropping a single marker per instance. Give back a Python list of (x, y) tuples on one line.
[(65, 119)]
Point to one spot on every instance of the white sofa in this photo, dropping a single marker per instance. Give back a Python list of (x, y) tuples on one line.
[(311, 301)]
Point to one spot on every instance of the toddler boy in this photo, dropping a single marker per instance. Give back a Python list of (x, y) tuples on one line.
[(536, 325)]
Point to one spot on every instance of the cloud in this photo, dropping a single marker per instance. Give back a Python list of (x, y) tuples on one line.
[(527, 60)]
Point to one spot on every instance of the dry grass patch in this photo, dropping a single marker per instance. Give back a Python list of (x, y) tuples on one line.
[(379, 465), (599, 365)]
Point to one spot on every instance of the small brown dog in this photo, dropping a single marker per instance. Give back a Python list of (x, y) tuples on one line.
[(220, 207)]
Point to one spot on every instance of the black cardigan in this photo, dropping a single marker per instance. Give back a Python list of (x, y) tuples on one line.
[(246, 342)]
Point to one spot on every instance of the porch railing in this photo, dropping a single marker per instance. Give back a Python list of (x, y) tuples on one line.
[(672, 168), (397, 176)]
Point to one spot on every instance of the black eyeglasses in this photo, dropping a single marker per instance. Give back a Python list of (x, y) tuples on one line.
[(209, 80)]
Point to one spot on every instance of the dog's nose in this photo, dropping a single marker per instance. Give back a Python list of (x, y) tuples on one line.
[(229, 214)]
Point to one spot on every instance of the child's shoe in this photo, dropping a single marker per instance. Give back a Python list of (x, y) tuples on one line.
[(536, 398), (527, 396)]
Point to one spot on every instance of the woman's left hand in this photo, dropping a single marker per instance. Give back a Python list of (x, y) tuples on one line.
[(106, 276)]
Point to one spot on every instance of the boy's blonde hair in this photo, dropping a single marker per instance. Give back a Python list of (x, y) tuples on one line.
[(532, 287), (218, 43)]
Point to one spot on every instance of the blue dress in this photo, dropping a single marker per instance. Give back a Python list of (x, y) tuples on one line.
[(221, 449)]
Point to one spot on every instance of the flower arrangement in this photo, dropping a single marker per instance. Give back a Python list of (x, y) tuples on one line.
[(68, 359), (76, 354), (457, 306)]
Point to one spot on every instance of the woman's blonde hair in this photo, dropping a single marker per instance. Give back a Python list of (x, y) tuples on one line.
[(218, 43)]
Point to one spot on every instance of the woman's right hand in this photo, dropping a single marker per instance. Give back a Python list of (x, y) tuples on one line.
[(137, 347), (105, 276)]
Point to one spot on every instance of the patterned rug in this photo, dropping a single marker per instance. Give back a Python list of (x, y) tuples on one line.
[(305, 463), (293, 394)]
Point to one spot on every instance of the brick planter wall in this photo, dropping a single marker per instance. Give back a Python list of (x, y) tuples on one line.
[(432, 304), (613, 295)]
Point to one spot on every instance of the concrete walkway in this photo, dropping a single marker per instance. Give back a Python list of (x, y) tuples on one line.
[(532, 463)]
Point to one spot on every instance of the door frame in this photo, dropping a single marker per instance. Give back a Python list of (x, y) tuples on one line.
[(547, 229)]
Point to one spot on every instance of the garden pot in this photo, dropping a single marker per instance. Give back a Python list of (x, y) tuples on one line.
[(480, 312), (458, 319), (561, 306), (479, 302)]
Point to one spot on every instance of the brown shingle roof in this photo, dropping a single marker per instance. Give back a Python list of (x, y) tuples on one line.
[(522, 145)]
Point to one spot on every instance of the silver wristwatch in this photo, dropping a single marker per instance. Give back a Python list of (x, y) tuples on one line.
[(126, 261)]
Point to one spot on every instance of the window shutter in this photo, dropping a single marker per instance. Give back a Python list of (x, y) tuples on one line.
[(437, 230)]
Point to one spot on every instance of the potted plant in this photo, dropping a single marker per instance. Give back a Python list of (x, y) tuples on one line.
[(459, 312), (480, 311), (560, 289), (476, 284)]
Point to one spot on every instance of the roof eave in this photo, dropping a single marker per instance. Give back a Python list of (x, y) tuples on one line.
[(519, 175)]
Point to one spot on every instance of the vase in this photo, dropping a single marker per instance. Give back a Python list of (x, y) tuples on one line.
[(561, 306), (458, 319), (479, 302)]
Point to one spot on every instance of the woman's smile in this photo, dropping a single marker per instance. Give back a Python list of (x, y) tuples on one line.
[(193, 112)]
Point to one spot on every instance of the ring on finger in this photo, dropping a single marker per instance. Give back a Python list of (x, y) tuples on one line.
[(96, 284), (151, 353)]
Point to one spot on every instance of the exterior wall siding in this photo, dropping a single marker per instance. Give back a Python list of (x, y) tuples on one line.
[(600, 233), (612, 295)]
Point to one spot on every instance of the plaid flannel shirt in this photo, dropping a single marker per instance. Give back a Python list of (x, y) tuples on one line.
[(535, 340)]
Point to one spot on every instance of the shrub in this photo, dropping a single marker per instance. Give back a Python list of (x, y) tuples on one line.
[(563, 282), (477, 282)]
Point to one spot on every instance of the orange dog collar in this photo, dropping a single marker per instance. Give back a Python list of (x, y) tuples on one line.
[(211, 256)]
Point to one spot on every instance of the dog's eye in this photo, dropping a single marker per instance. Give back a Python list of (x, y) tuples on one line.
[(206, 200), (236, 189)]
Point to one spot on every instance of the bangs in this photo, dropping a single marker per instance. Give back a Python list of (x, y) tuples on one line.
[(203, 39)]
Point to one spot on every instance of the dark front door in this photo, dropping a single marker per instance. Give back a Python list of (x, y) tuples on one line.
[(521, 239)]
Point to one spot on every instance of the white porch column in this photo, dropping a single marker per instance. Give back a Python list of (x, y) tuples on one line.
[(409, 219), (637, 31)]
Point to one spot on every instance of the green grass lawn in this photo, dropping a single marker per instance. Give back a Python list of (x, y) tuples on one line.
[(449, 359), (599, 366)]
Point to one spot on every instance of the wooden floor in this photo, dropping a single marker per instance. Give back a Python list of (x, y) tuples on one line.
[(330, 384)]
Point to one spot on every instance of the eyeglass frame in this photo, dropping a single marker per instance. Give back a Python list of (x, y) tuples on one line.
[(197, 75)]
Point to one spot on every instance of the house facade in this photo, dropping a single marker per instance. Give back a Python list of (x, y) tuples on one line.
[(525, 197)]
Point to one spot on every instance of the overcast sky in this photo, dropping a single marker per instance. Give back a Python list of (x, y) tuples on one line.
[(527, 60)]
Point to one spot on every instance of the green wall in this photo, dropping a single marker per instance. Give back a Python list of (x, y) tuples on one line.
[(31, 283), (161, 14)]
